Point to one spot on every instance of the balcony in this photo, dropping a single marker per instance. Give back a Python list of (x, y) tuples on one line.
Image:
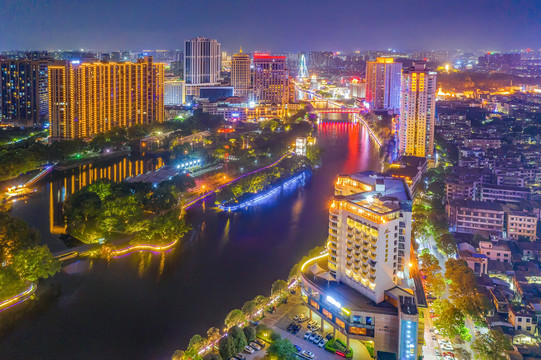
[(373, 256)]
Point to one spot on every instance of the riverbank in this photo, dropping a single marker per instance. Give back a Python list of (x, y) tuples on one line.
[(145, 306), (254, 186)]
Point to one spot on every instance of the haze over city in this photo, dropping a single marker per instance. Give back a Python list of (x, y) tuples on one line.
[(277, 25)]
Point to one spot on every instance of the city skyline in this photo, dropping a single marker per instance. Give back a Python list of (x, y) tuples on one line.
[(414, 25)]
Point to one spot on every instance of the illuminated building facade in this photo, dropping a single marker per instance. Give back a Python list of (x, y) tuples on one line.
[(383, 83), (417, 111), (86, 99), (174, 92), (241, 74), (202, 64), (361, 290), (23, 92), (370, 233), (271, 79)]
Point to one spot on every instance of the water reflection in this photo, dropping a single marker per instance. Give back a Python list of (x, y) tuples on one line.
[(61, 184), (132, 308)]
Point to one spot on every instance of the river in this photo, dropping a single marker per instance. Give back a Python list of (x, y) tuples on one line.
[(144, 306)]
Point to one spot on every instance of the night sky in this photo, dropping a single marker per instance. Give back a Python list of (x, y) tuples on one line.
[(271, 25)]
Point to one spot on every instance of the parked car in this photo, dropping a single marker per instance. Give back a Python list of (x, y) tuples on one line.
[(296, 329), (446, 347), (308, 354), (329, 336), (318, 338), (298, 348), (240, 357), (249, 350), (307, 335), (316, 327), (322, 342), (313, 336), (260, 343), (290, 327), (255, 346)]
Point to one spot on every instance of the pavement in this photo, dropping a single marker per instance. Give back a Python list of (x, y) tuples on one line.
[(280, 320)]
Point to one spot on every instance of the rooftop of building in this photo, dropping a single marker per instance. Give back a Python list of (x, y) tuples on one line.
[(489, 245), (505, 187), (474, 204), (388, 194), (164, 173), (348, 297)]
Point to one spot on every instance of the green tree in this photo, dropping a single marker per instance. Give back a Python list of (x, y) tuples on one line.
[(234, 317), (178, 355), (281, 349), (249, 308), (429, 263), (15, 234), (226, 347), (447, 244), (238, 337), (213, 334), (278, 287), (263, 331), (491, 346), (197, 342), (10, 282), (250, 333), (35, 263), (260, 301), (275, 336), (450, 321)]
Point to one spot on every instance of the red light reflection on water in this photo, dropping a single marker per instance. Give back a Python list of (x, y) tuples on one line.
[(361, 148)]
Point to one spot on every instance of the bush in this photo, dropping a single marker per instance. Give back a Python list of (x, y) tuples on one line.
[(226, 347), (335, 345), (274, 336), (250, 333), (238, 337)]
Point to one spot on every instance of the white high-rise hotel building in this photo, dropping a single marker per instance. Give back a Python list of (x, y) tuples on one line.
[(370, 233), (417, 111), (202, 64)]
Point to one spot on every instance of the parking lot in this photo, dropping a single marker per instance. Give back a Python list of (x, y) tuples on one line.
[(280, 320)]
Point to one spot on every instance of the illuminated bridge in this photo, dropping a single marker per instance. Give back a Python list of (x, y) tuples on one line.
[(339, 111)]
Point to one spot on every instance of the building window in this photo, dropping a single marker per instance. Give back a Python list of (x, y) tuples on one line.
[(327, 313), (357, 331)]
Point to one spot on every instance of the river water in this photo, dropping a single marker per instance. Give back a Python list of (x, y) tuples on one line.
[(144, 306)]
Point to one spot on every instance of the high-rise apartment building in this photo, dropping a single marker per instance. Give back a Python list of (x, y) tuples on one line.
[(23, 92), (271, 79), (417, 110), (383, 83), (370, 232), (241, 74), (86, 99), (202, 64)]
